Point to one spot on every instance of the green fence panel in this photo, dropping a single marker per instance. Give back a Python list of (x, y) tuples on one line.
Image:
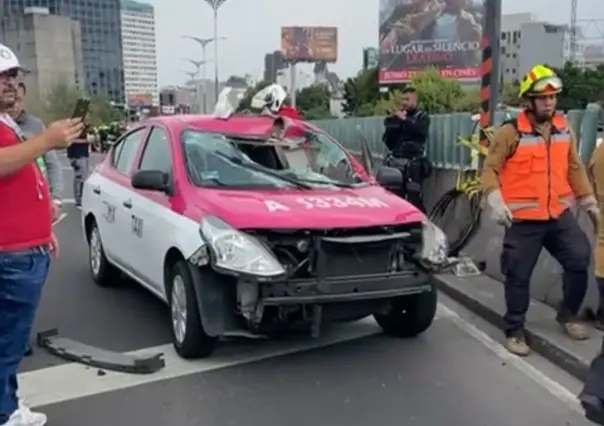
[(589, 132), (442, 147)]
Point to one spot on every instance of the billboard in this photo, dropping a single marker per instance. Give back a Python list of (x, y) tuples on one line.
[(140, 99), (309, 44), (417, 34)]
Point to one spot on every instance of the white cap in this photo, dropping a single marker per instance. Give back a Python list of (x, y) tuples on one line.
[(8, 60)]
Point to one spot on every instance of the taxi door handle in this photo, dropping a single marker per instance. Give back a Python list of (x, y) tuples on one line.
[(127, 204), (96, 190)]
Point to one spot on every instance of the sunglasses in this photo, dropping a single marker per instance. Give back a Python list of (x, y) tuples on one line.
[(12, 73)]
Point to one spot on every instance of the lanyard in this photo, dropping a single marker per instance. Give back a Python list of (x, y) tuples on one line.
[(8, 121)]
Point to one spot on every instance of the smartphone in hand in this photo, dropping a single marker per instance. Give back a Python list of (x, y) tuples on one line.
[(81, 108)]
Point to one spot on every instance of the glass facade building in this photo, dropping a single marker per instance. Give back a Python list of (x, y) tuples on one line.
[(100, 22)]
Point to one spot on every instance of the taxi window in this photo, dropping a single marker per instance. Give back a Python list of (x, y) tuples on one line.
[(329, 158), (156, 155), (125, 151)]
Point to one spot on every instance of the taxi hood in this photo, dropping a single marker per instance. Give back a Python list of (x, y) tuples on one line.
[(308, 209)]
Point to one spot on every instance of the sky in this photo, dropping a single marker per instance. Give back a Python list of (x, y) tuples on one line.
[(251, 32)]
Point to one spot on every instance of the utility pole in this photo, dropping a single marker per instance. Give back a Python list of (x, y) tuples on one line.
[(491, 56), (573, 31)]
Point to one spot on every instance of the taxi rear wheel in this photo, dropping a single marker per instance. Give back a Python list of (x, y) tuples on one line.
[(103, 272), (409, 315), (189, 337)]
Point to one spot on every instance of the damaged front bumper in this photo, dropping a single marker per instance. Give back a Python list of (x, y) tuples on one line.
[(344, 288)]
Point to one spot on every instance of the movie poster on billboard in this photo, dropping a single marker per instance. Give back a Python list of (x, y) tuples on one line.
[(417, 34)]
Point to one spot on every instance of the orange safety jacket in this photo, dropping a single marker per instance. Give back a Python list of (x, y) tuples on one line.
[(534, 180)]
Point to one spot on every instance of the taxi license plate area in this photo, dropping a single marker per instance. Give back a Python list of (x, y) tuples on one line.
[(336, 258)]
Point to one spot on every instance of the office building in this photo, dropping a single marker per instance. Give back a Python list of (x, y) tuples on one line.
[(49, 46), (592, 55), (273, 63), (139, 53), (526, 41), (101, 39)]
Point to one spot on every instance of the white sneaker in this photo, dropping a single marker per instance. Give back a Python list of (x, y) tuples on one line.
[(23, 416)]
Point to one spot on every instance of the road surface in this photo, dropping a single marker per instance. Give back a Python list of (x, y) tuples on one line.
[(456, 373)]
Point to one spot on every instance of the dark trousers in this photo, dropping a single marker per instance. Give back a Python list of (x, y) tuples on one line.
[(414, 173), (22, 277), (522, 243), (80, 174), (592, 395)]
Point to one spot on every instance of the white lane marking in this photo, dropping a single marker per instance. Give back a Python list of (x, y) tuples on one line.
[(71, 381), (61, 217), (546, 382)]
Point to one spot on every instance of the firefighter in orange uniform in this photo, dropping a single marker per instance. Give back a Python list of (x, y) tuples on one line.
[(532, 176)]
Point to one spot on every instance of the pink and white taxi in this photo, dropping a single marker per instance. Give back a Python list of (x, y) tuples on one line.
[(243, 234)]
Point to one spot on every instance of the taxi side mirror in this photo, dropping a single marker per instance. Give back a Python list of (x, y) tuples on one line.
[(151, 180), (390, 178)]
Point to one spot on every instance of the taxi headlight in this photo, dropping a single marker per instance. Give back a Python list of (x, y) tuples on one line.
[(238, 252), (435, 247)]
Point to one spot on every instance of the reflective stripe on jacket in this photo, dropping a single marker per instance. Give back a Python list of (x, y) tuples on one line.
[(534, 180)]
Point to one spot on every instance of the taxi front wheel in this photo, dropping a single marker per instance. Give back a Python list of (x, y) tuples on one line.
[(189, 337), (103, 272), (410, 315)]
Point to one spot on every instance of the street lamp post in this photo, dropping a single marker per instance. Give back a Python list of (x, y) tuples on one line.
[(203, 42), (199, 65), (215, 5), (192, 76)]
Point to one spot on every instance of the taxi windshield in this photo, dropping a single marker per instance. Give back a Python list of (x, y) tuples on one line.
[(310, 161)]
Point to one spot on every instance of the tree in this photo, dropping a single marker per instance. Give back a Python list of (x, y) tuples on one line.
[(469, 102), (60, 101), (435, 94), (103, 112), (313, 102), (362, 93), (509, 93), (581, 86), (438, 95)]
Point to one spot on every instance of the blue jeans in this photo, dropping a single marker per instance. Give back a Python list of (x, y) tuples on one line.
[(22, 276)]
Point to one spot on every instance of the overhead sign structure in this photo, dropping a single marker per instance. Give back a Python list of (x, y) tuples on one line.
[(309, 44), (417, 34)]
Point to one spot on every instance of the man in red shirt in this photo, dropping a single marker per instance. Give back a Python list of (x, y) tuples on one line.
[(26, 238)]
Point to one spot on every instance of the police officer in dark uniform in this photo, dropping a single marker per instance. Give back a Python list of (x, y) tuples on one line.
[(405, 137)]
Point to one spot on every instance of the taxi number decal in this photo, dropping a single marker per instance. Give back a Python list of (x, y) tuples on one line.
[(340, 203), (328, 203)]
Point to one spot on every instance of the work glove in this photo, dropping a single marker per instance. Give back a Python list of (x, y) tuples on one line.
[(590, 205), (499, 211)]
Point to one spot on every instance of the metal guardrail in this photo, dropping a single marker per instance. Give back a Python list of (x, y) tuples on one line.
[(445, 129)]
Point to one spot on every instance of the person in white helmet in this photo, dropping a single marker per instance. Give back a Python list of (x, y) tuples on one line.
[(26, 238)]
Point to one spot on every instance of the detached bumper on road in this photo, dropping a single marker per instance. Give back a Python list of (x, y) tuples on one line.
[(345, 288)]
